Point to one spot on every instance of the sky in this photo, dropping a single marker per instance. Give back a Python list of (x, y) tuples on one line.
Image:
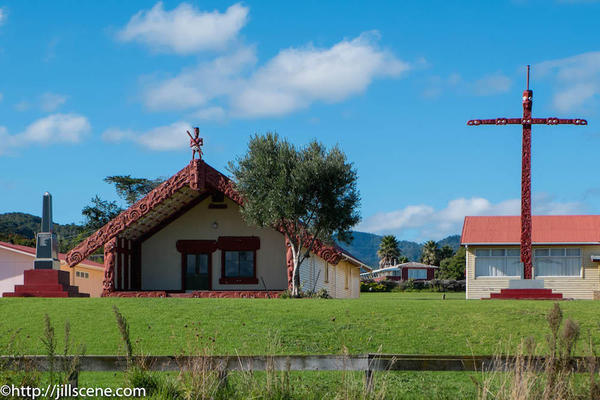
[(93, 89)]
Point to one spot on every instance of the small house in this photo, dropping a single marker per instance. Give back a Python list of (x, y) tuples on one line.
[(403, 272)]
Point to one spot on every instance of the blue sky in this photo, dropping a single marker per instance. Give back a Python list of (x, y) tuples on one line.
[(91, 89)]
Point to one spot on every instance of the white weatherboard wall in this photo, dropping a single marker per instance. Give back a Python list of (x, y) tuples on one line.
[(582, 287), (341, 280), (313, 274), (12, 265), (161, 262)]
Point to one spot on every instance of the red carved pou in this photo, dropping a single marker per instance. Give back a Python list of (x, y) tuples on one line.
[(526, 122)]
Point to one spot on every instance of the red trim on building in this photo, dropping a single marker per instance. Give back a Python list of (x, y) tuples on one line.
[(245, 294), (238, 243), (196, 246)]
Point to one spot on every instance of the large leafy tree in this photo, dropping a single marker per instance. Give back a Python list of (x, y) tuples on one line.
[(132, 189), (453, 267), (388, 251), (430, 253), (309, 193)]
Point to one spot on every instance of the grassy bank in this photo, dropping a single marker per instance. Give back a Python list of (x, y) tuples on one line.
[(387, 322)]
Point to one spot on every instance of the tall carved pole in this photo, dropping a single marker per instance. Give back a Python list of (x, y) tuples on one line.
[(526, 184), (526, 122)]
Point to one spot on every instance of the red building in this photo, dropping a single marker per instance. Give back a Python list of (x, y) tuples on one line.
[(403, 272)]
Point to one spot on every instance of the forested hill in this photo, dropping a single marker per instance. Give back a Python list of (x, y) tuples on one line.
[(21, 228), (364, 246)]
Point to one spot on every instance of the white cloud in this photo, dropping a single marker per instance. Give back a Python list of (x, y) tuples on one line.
[(168, 137), (201, 85), (429, 223), (3, 15), (53, 129), (50, 102), (293, 79), (1, 96), (577, 78), (185, 30), (492, 84)]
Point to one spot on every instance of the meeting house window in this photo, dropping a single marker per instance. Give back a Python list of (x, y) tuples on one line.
[(239, 264), (557, 262), (498, 263)]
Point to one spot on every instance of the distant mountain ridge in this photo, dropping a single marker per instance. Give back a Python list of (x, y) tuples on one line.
[(364, 246)]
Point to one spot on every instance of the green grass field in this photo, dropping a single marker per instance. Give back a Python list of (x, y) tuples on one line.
[(417, 323), (388, 322)]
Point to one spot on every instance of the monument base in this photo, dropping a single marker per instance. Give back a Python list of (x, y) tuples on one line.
[(46, 283), (526, 289)]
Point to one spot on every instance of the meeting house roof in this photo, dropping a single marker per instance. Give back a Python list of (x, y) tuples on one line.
[(170, 200)]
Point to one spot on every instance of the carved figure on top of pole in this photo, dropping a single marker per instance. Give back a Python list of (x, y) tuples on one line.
[(195, 143), (526, 122)]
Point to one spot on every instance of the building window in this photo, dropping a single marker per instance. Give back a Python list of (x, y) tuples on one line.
[(557, 262), (498, 263), (347, 278), (326, 272), (239, 264), (417, 273), (80, 274)]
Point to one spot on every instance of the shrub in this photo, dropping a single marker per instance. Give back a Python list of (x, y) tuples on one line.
[(434, 285), (381, 286)]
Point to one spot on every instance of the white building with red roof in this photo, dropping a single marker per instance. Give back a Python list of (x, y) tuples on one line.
[(187, 238), (566, 256)]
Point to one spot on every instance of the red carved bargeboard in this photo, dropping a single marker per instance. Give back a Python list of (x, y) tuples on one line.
[(213, 294), (199, 176)]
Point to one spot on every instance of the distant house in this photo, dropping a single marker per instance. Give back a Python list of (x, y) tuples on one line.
[(566, 256), (187, 238), (403, 272), (14, 259)]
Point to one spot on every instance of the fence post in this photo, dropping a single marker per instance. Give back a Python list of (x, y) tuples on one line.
[(368, 376), (368, 380)]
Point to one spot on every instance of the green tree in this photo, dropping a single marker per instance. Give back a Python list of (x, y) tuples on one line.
[(453, 267), (403, 259), (309, 193), (445, 252), (430, 253), (99, 213), (132, 189), (388, 251)]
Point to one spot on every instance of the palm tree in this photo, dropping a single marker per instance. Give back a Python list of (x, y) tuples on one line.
[(430, 253), (388, 251)]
